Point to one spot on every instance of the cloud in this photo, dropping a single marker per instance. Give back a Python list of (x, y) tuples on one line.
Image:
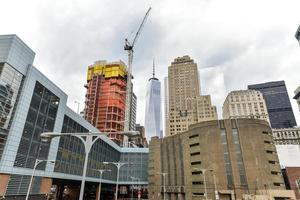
[(235, 43)]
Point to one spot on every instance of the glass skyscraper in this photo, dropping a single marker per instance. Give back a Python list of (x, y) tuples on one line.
[(297, 35), (153, 108), (278, 103)]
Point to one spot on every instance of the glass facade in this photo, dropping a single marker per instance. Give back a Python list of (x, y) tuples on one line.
[(10, 83), (137, 166), (239, 157), (278, 103), (228, 167), (153, 109), (71, 153), (40, 118)]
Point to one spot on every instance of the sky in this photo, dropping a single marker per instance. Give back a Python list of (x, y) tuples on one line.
[(234, 42)]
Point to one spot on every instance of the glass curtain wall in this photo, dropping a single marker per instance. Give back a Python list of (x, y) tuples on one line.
[(10, 83), (40, 118)]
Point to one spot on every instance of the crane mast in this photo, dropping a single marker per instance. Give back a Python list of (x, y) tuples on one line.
[(129, 48)]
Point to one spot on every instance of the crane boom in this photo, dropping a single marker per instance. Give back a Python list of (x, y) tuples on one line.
[(141, 26), (129, 48), (130, 45)]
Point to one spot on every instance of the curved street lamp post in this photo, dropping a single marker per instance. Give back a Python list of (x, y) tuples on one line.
[(37, 162), (118, 165), (88, 139), (100, 181)]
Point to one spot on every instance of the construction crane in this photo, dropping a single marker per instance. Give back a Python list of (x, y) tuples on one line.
[(129, 48)]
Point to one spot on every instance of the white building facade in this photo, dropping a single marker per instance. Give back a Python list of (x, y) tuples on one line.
[(245, 104)]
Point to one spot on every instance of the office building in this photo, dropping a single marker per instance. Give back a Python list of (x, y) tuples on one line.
[(297, 96), (166, 107), (153, 107), (32, 104), (245, 104), (186, 105), (286, 136), (227, 158), (297, 35), (106, 98), (278, 103)]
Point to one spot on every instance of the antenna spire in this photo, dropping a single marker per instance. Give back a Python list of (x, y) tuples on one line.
[(153, 73)]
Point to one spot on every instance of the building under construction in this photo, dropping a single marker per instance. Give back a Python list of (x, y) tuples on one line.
[(106, 98)]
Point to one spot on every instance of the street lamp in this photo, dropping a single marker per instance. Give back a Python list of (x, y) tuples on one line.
[(100, 181), (135, 178), (118, 165), (164, 183), (88, 139), (215, 183), (37, 162), (78, 104), (203, 171)]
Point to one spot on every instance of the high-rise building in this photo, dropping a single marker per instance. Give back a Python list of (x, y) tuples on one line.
[(132, 114), (153, 107), (186, 105), (227, 158), (278, 103), (245, 104), (166, 106), (297, 35), (106, 97), (297, 96)]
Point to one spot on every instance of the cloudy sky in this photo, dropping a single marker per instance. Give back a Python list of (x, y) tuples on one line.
[(234, 42)]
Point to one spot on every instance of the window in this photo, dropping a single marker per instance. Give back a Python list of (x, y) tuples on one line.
[(196, 163), (239, 157), (272, 162), (193, 136), (196, 172), (275, 173), (270, 152), (195, 144), (196, 153), (38, 120), (197, 183), (226, 157)]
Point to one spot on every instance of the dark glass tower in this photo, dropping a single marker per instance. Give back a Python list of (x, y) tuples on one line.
[(278, 103), (297, 35)]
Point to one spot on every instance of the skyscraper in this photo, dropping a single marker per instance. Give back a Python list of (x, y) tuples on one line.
[(105, 98), (278, 103), (297, 35), (186, 105), (166, 108), (297, 96), (153, 108), (245, 104)]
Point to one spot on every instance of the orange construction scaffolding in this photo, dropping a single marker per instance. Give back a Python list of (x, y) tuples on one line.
[(106, 98)]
